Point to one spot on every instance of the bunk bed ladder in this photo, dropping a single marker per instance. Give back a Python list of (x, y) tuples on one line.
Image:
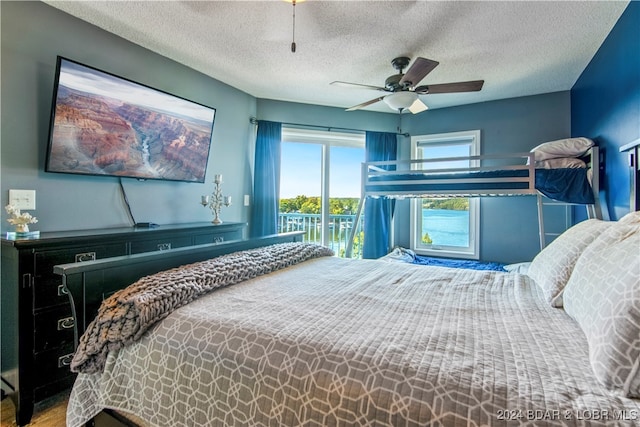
[(541, 232), (595, 210), (553, 205), (363, 197), (354, 228)]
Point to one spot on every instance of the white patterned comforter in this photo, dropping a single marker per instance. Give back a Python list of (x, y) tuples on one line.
[(342, 342)]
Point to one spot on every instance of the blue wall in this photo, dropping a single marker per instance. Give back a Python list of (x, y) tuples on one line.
[(317, 115), (605, 104)]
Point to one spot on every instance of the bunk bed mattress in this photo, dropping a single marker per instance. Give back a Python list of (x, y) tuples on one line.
[(357, 342), (569, 185)]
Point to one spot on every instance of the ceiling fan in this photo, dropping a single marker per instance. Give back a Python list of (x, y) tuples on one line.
[(404, 89)]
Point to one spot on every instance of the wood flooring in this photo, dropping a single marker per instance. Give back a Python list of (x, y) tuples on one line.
[(51, 412)]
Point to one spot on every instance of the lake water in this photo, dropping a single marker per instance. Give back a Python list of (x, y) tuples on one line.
[(445, 227)]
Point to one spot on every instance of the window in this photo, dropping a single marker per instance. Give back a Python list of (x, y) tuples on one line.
[(320, 185), (446, 226)]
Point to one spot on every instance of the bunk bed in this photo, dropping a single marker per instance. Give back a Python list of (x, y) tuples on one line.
[(572, 180)]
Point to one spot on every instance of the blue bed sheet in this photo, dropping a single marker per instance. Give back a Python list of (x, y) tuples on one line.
[(566, 185), (458, 263), (400, 254)]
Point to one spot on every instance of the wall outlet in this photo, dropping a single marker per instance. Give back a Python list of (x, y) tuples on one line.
[(23, 199), (246, 200)]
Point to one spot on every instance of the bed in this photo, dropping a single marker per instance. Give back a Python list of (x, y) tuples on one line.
[(566, 170), (298, 337)]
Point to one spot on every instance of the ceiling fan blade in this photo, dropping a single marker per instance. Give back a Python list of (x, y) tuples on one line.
[(357, 86), (364, 104), (470, 86), (418, 107), (418, 70)]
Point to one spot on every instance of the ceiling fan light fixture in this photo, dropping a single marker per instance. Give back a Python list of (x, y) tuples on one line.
[(400, 100), (418, 106)]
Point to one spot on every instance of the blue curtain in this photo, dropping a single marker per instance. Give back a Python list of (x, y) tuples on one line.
[(266, 179), (380, 146)]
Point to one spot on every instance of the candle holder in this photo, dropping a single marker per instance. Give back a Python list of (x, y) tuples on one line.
[(216, 200)]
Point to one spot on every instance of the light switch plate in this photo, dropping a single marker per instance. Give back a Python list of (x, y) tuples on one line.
[(23, 199), (246, 200)]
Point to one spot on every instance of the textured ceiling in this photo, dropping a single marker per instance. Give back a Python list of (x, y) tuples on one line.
[(518, 47)]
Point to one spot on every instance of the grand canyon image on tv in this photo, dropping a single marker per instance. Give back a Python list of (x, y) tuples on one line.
[(106, 125)]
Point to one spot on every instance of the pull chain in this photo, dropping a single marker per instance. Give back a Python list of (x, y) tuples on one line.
[(293, 42)]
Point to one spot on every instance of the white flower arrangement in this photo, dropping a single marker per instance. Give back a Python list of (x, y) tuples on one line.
[(18, 218)]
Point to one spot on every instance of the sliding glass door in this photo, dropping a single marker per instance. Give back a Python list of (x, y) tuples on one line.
[(320, 184)]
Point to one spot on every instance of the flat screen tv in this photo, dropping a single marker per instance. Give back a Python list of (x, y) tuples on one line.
[(102, 124)]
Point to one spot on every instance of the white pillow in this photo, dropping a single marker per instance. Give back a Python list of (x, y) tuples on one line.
[(521, 267), (630, 218), (603, 296), (399, 254), (552, 267), (564, 162), (570, 147)]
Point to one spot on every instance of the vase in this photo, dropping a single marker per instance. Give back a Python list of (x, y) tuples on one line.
[(22, 228)]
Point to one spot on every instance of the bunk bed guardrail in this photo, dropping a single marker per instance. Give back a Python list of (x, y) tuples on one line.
[(510, 174)]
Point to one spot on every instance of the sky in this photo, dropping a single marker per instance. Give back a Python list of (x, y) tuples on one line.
[(300, 172)]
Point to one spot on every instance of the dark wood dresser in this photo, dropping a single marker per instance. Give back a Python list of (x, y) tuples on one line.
[(37, 331)]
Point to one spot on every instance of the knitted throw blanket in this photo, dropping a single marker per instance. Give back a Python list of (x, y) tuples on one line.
[(125, 316)]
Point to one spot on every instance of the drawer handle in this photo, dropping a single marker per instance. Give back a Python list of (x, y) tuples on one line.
[(65, 360), (86, 256), (62, 290), (164, 246), (27, 280), (66, 323), (218, 239)]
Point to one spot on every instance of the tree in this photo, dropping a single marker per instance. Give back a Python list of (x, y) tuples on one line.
[(311, 205), (453, 204), (426, 239)]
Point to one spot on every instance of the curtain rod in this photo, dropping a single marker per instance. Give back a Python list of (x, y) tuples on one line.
[(254, 121)]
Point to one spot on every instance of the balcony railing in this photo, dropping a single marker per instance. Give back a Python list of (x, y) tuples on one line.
[(339, 230)]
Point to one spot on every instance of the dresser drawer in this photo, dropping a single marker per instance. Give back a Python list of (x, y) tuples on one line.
[(202, 239), (48, 289), (53, 365), (161, 244), (53, 328)]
